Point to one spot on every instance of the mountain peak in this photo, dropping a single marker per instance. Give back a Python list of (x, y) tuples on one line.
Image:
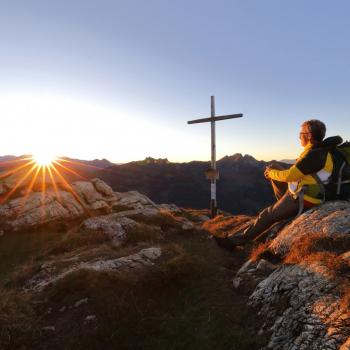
[(150, 160), (238, 157)]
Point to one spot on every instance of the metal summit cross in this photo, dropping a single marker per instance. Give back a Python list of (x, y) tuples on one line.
[(212, 174)]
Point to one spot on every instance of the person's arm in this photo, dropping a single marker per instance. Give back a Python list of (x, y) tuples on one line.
[(289, 175), (311, 163)]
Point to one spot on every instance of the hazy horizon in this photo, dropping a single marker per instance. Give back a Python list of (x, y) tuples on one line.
[(135, 160)]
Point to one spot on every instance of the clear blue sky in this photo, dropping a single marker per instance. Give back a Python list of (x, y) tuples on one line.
[(119, 79)]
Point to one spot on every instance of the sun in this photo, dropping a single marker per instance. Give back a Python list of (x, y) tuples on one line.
[(44, 159)]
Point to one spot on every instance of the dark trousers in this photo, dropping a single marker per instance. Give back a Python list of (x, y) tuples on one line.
[(285, 208)]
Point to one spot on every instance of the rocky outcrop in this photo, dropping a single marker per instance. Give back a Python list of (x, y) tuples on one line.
[(90, 205), (303, 309), (49, 274), (330, 218), (134, 200), (114, 226), (305, 299), (76, 202), (37, 209)]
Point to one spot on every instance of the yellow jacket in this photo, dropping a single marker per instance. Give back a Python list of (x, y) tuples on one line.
[(314, 160)]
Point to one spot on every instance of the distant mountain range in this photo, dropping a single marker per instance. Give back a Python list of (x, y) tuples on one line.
[(83, 167), (241, 188)]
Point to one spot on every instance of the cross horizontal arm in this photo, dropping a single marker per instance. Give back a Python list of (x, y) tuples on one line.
[(221, 117)]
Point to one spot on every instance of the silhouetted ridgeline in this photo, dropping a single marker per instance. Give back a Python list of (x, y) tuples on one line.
[(241, 189)]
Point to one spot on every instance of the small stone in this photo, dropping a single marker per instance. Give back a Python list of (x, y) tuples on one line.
[(187, 226), (48, 329), (246, 267), (236, 282), (90, 318), (265, 266), (81, 302), (2, 233), (63, 308)]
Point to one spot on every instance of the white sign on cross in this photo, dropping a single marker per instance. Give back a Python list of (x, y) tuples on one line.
[(212, 173)]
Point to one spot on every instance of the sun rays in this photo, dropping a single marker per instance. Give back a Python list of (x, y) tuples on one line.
[(42, 173), (44, 159)]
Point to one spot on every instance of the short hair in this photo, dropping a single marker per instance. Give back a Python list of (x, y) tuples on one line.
[(316, 128)]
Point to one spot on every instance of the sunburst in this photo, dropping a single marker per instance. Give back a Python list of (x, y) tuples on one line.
[(38, 173), (44, 159)]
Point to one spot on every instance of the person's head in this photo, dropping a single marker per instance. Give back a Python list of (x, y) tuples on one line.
[(312, 132)]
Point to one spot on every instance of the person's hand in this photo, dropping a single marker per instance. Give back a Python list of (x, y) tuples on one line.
[(266, 172)]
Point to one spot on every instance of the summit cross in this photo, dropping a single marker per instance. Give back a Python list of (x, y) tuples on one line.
[(212, 174)]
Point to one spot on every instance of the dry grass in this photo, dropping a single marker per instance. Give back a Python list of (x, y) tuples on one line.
[(16, 317), (344, 303), (260, 251), (184, 301), (316, 243), (75, 239), (223, 226), (164, 220), (194, 215), (23, 273), (323, 249), (144, 233)]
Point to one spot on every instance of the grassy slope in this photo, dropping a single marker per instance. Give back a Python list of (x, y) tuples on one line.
[(186, 301)]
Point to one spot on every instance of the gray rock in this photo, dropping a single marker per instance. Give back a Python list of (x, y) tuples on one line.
[(90, 318), (302, 308), (329, 218), (134, 199), (62, 309), (112, 225), (81, 199), (170, 207), (81, 302), (236, 282), (143, 258), (265, 266), (302, 303)]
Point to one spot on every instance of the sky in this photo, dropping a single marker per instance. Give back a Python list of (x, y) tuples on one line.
[(120, 79)]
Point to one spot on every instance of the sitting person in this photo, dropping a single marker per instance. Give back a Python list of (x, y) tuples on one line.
[(298, 188)]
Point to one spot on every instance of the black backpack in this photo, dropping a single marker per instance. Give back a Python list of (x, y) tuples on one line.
[(338, 186)]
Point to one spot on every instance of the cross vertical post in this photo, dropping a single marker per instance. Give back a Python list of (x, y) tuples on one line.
[(212, 174), (213, 206)]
